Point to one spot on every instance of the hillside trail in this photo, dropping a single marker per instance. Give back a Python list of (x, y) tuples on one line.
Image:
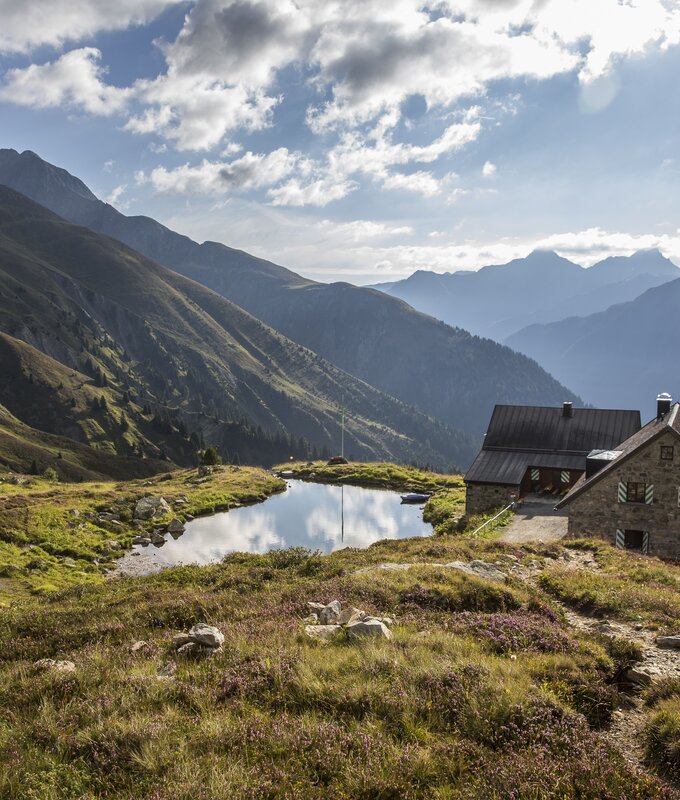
[(625, 731)]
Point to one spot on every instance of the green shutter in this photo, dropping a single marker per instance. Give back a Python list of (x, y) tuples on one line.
[(565, 476), (649, 494), (620, 539), (645, 542), (623, 494), (535, 475)]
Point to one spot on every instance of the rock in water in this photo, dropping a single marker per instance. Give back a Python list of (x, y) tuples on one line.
[(175, 527), (206, 634), (369, 628)]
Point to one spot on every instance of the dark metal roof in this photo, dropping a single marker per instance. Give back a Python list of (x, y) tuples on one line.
[(668, 422), (538, 428), (509, 467), (519, 437)]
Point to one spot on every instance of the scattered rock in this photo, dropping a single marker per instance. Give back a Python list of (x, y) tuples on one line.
[(670, 642), (74, 512), (167, 670), (312, 619), (638, 675), (322, 632), (143, 540), (368, 628), (180, 639), (69, 562), (349, 615), (137, 646), (204, 471), (480, 569), (45, 664), (189, 517), (150, 507), (157, 539), (330, 614), (336, 461), (316, 606), (207, 634), (176, 526)]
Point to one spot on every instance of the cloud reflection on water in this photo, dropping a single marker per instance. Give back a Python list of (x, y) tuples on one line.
[(308, 515)]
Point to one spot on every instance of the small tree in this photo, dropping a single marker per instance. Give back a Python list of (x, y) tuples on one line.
[(51, 474), (210, 457)]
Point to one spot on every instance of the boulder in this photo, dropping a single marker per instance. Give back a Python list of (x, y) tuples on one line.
[(336, 461), (196, 650), (180, 639), (207, 634), (143, 540), (670, 642), (312, 619), (137, 646), (322, 632), (157, 539), (349, 615), (45, 664), (150, 507), (638, 675), (204, 470), (330, 614), (368, 628)]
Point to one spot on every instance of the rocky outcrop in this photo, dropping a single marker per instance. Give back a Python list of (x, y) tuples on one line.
[(330, 621), (201, 640)]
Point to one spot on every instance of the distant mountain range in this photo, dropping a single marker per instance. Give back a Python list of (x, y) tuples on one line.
[(113, 351), (622, 357), (444, 372), (498, 301)]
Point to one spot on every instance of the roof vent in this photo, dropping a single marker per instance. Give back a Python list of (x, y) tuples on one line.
[(567, 409), (663, 404)]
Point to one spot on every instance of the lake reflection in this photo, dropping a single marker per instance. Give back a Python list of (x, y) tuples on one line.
[(312, 515)]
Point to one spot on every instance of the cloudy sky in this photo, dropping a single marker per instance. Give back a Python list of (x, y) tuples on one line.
[(361, 139)]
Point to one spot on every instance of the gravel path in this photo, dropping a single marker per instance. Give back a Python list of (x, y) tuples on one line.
[(536, 520)]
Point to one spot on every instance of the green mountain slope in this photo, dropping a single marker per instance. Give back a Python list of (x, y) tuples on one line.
[(445, 372), (185, 360)]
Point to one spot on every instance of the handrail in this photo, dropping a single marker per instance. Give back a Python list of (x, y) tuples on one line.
[(489, 521)]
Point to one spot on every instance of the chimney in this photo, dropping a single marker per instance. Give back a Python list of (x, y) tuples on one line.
[(663, 404), (567, 409)]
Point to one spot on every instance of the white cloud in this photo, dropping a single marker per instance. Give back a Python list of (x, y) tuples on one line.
[(29, 23), (73, 80), (115, 195), (489, 169), (250, 171)]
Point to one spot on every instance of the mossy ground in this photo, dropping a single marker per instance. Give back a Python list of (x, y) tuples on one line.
[(44, 523), (484, 691)]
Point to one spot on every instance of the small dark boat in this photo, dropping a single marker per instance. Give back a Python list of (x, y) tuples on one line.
[(415, 497)]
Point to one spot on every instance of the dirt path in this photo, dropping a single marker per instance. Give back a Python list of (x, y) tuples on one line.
[(536, 520), (625, 732)]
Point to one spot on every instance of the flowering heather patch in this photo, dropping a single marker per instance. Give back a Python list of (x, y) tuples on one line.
[(514, 633)]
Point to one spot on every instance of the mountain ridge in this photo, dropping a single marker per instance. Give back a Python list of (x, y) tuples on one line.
[(444, 372), (98, 307)]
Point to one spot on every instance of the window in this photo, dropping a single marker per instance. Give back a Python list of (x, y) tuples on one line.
[(667, 452), (635, 492)]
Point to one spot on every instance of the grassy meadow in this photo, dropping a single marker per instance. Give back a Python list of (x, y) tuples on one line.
[(484, 691)]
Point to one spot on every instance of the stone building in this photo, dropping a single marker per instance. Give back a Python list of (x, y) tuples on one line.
[(631, 495), (530, 449)]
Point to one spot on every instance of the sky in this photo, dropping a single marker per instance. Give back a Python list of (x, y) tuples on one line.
[(362, 140)]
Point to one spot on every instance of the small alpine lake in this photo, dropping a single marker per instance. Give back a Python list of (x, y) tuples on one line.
[(313, 515)]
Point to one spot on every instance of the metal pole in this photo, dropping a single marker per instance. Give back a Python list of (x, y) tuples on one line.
[(342, 438)]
